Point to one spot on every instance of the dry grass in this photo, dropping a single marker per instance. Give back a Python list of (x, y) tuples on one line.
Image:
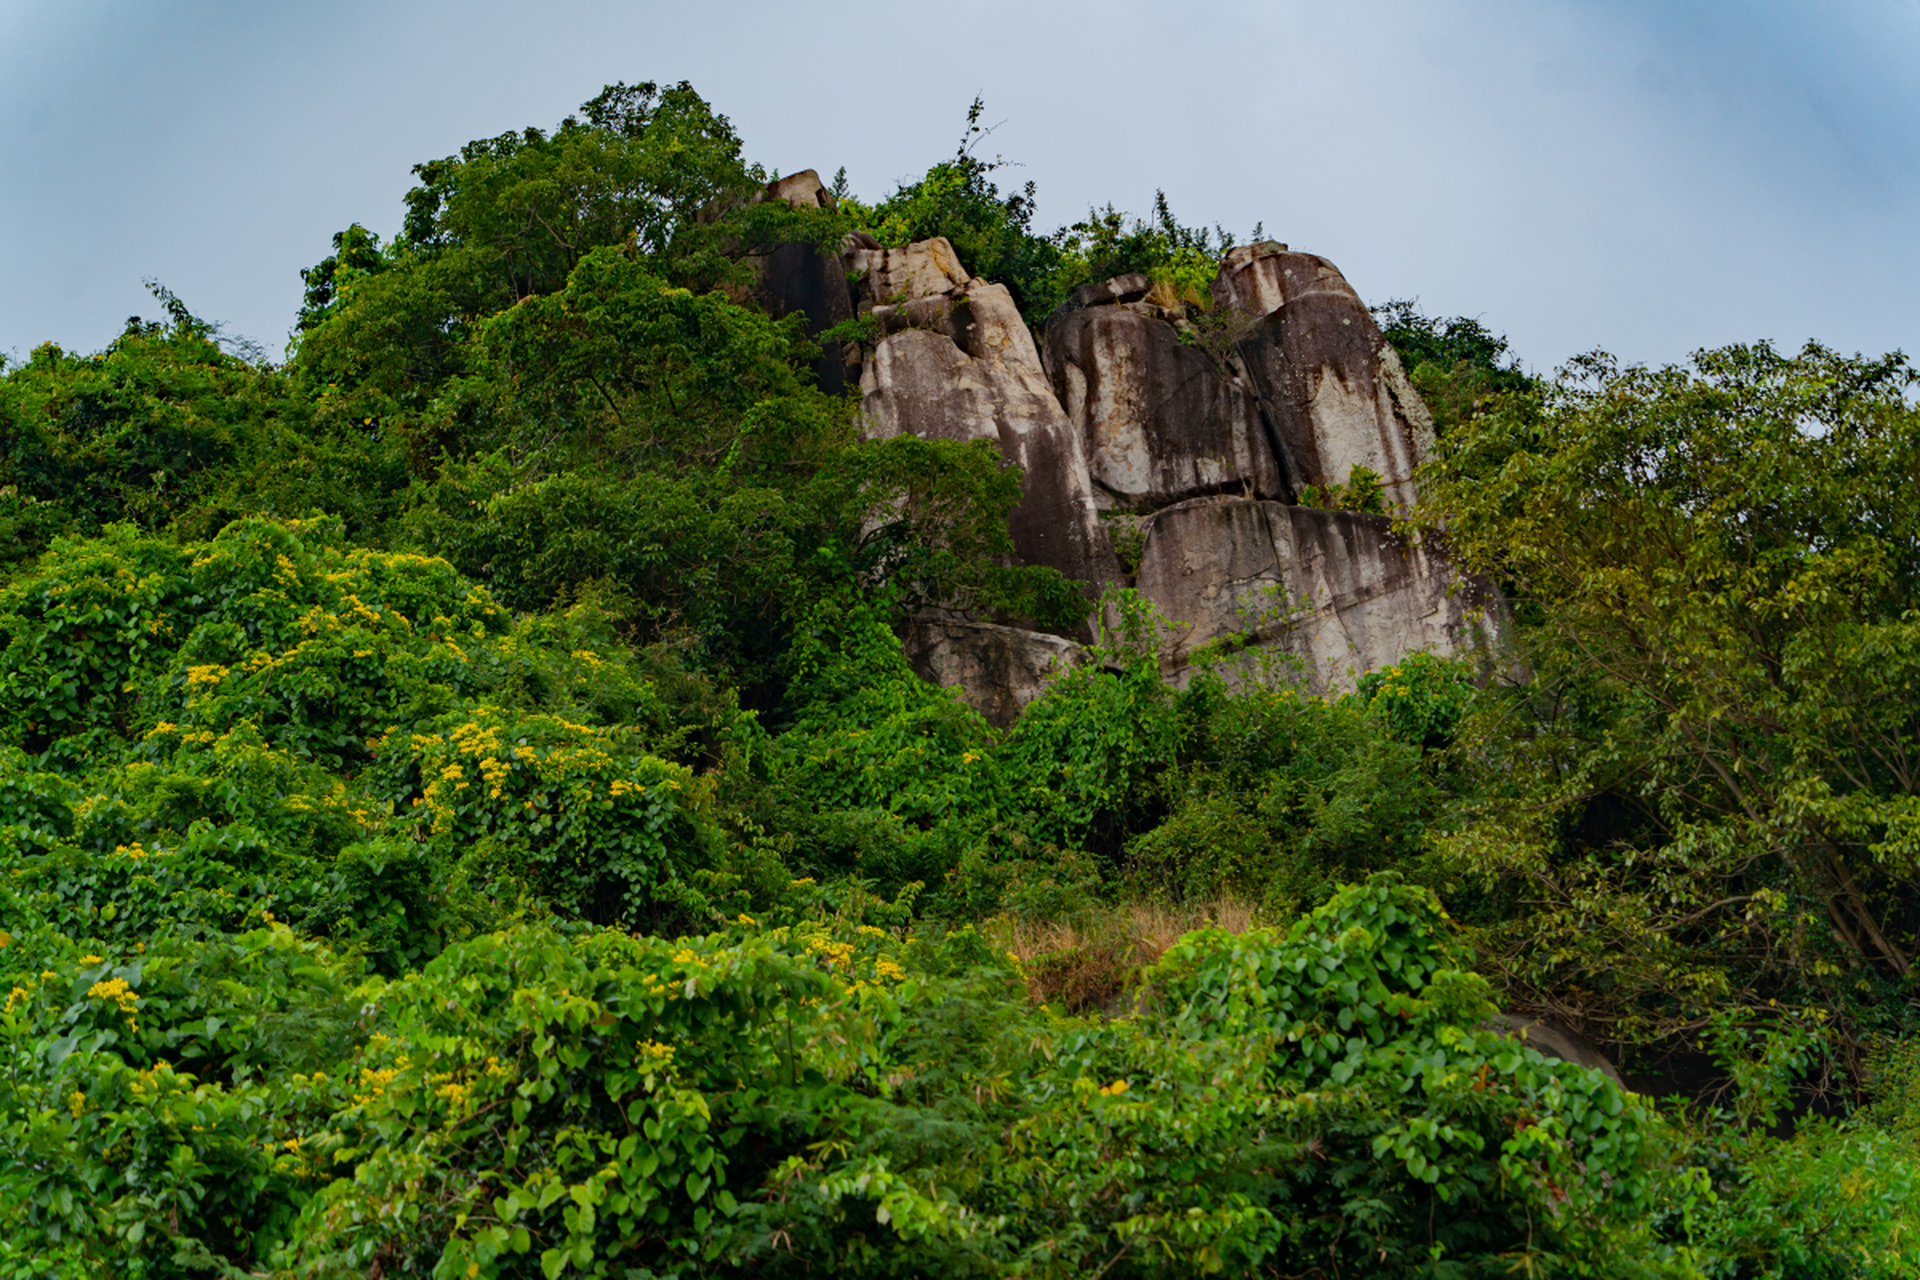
[(1091, 960)]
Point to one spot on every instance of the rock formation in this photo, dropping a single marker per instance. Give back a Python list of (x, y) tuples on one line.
[(1335, 591), (1161, 422), (1198, 434), (1000, 669), (1556, 1041), (1333, 390), (961, 365)]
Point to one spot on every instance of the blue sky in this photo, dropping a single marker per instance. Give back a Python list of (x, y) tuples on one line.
[(1640, 176)]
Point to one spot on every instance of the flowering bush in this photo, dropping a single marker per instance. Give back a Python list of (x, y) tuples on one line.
[(272, 722)]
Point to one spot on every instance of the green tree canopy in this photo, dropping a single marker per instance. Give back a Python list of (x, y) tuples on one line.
[(1706, 793)]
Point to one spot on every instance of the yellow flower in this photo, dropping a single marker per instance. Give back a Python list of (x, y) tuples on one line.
[(211, 673), (117, 991)]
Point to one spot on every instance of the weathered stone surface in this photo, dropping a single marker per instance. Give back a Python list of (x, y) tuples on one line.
[(801, 190), (1336, 590), (1332, 389), (921, 268), (974, 374), (1258, 279), (1128, 288), (1556, 1041), (920, 382), (934, 314), (1336, 396), (1159, 421), (799, 278), (998, 670)]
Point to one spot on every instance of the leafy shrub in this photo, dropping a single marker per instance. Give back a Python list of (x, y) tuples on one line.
[(1085, 758), (823, 1095), (594, 825), (1832, 1201), (1282, 796), (1422, 697), (270, 722)]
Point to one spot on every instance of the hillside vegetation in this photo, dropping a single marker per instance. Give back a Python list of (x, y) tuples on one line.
[(466, 812)]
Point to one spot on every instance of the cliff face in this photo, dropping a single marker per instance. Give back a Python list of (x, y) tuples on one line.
[(1186, 439)]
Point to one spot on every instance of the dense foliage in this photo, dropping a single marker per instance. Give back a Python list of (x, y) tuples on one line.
[(466, 810), (1720, 567)]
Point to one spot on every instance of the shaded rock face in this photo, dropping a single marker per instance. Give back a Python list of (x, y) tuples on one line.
[(1160, 421), (801, 278), (974, 374), (1335, 590), (1331, 388), (999, 670), (1336, 396)]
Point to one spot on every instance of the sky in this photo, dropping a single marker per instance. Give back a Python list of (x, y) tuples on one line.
[(1647, 177)]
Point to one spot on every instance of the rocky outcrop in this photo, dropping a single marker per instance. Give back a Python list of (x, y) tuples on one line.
[(1161, 421), (1197, 432), (801, 190), (1332, 389), (999, 670), (926, 268), (799, 277), (1335, 591), (973, 373), (1258, 279), (1337, 397)]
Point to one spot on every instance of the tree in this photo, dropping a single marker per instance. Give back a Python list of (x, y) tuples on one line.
[(1457, 365), (509, 218), (1708, 795)]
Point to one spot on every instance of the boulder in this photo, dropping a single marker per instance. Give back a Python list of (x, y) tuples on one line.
[(1258, 279), (1331, 387), (801, 190), (1556, 1041), (1128, 288), (973, 373), (1159, 420), (998, 670), (915, 271), (1338, 592)]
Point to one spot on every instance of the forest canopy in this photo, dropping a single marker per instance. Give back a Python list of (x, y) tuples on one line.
[(467, 809)]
